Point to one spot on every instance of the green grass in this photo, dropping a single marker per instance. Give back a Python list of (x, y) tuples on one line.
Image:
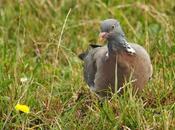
[(31, 46)]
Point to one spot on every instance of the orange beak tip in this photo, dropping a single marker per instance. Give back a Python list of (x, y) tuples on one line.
[(101, 40)]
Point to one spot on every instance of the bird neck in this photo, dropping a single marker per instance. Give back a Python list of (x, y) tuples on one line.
[(117, 45)]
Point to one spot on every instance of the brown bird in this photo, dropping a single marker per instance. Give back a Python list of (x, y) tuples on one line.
[(118, 62)]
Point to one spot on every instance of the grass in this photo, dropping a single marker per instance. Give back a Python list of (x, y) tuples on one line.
[(40, 41)]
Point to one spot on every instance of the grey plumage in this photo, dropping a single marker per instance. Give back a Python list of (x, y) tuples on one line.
[(99, 73), (132, 61)]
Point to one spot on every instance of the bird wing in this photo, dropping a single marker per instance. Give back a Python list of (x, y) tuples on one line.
[(90, 68), (94, 67)]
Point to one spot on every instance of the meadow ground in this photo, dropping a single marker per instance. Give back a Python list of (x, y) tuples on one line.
[(39, 67)]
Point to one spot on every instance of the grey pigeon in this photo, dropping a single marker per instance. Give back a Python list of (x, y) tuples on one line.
[(132, 61)]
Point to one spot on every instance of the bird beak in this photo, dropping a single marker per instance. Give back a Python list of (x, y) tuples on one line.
[(102, 37)]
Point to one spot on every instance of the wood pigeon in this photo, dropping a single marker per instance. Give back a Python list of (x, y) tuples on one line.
[(119, 58)]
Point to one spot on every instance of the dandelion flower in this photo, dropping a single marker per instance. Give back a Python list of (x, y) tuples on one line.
[(23, 108)]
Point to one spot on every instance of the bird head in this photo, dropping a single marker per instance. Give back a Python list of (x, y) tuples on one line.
[(113, 33)]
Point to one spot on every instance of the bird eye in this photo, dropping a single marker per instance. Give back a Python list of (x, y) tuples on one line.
[(113, 26)]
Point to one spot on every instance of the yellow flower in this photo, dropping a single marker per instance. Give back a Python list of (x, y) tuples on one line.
[(23, 108)]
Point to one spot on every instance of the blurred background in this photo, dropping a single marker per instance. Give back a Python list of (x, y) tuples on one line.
[(39, 44)]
